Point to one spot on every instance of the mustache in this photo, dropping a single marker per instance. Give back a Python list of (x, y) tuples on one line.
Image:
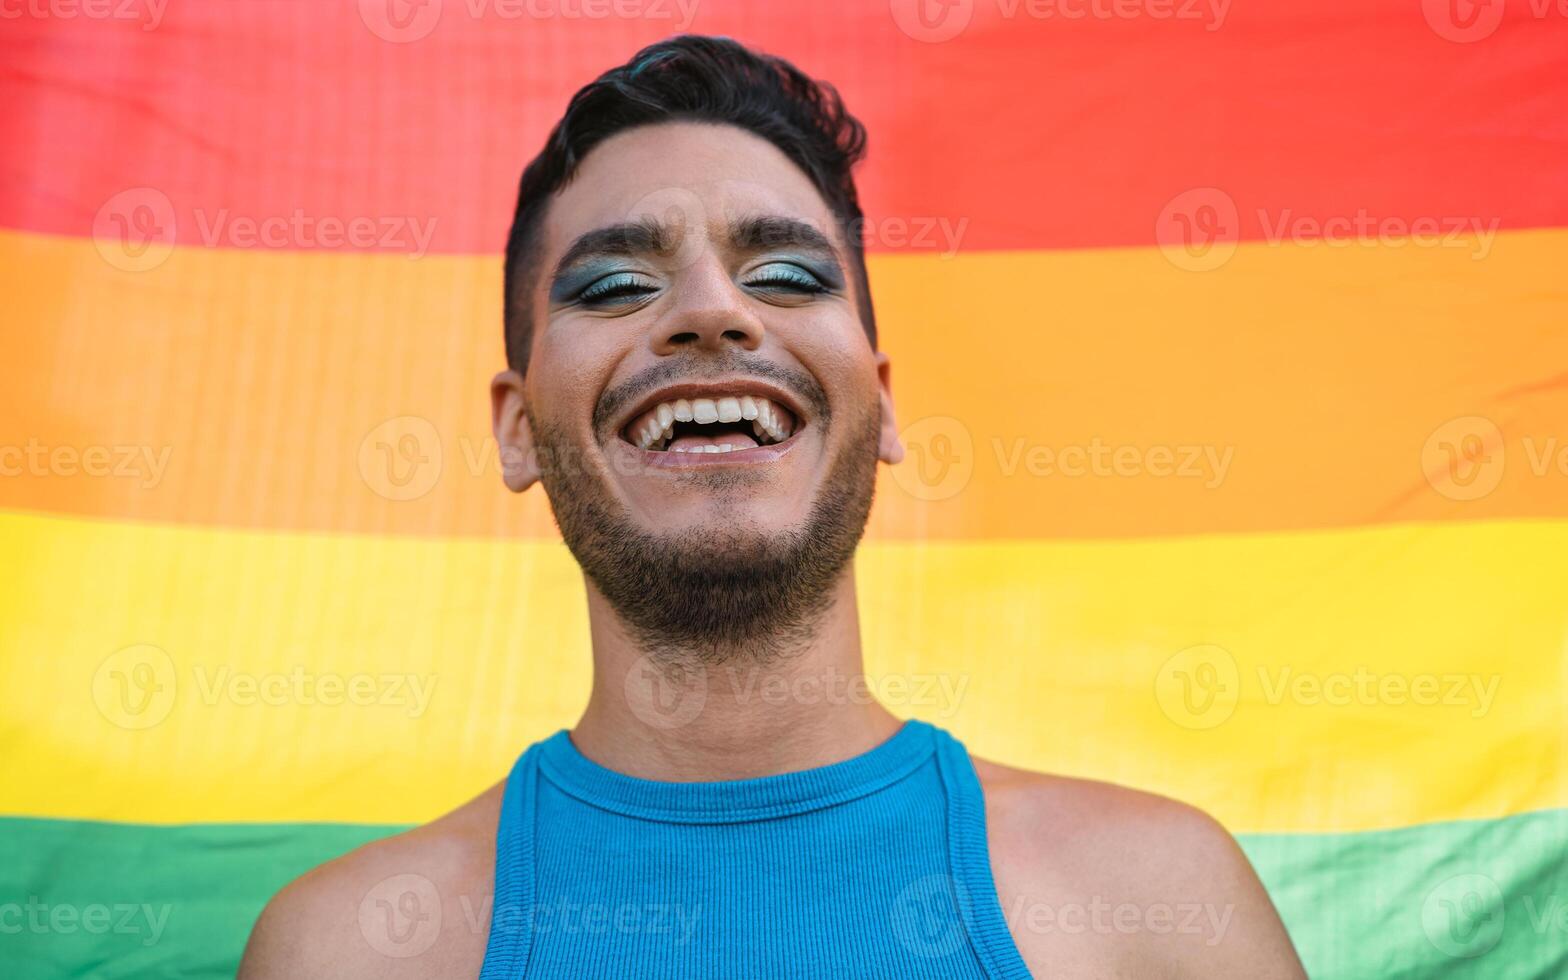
[(699, 367)]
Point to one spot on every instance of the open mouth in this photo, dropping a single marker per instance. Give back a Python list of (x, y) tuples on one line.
[(723, 423)]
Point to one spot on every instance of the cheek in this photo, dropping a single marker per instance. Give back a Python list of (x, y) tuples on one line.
[(568, 369), (845, 366)]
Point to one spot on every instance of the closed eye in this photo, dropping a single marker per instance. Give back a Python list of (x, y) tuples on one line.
[(785, 276), (617, 289)]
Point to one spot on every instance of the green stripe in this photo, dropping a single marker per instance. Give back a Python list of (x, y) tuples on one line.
[(1481, 899), (180, 900), (1475, 898)]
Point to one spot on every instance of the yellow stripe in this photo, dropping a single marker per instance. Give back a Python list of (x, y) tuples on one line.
[(1062, 652)]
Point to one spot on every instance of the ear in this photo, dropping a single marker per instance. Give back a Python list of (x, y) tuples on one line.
[(889, 449), (509, 422)]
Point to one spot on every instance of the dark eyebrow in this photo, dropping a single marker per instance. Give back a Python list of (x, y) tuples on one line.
[(629, 238), (761, 232)]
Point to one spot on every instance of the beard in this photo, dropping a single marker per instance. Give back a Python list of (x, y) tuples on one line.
[(722, 593)]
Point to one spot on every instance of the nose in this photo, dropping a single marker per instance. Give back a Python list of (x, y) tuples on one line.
[(710, 313)]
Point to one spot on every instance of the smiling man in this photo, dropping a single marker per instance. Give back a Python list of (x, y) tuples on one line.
[(694, 378)]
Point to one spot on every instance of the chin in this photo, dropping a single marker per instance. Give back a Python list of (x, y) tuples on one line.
[(718, 561), (729, 537)]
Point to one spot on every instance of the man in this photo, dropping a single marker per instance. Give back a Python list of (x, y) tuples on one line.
[(694, 379)]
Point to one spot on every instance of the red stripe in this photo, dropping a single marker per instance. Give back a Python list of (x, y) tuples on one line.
[(1024, 131)]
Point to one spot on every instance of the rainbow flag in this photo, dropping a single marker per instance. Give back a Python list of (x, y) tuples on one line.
[(1230, 340)]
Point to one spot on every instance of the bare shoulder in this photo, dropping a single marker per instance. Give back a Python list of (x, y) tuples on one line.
[(1098, 879), (414, 905)]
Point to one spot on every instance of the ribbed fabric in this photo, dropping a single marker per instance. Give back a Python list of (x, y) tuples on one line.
[(871, 867)]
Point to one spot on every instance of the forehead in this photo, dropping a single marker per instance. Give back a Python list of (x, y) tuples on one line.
[(707, 173)]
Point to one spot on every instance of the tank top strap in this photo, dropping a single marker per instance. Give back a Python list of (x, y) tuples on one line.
[(506, 952), (970, 860)]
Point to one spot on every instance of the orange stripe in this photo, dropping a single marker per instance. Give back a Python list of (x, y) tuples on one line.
[(1294, 387)]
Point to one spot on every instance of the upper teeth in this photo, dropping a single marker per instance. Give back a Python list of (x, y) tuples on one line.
[(770, 422)]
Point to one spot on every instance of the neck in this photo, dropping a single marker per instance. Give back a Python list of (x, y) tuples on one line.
[(734, 720)]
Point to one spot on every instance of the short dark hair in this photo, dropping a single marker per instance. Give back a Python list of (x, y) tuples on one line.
[(697, 79)]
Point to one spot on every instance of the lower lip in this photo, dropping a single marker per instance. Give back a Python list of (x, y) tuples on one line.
[(735, 457)]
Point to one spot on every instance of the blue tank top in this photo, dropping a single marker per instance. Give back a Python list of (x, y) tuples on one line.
[(871, 867)]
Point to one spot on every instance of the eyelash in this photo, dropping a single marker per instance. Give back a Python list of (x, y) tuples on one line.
[(791, 277), (627, 287), (620, 285)]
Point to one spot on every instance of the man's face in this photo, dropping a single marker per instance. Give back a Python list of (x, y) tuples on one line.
[(701, 390)]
